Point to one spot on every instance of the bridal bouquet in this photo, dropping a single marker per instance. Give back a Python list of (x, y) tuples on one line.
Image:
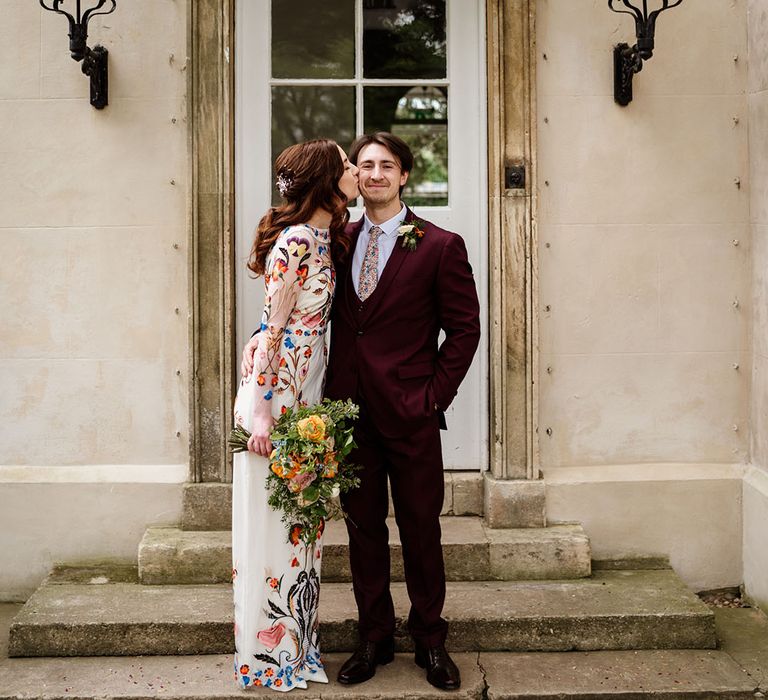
[(308, 465)]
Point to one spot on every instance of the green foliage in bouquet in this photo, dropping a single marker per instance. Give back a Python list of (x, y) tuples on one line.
[(309, 469)]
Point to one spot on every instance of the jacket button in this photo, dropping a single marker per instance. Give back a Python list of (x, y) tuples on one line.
[(359, 332)]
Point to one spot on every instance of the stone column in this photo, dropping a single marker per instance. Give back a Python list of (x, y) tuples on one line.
[(514, 494), (211, 257)]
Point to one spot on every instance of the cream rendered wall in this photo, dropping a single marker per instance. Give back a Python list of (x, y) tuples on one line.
[(756, 483), (644, 261), (94, 313)]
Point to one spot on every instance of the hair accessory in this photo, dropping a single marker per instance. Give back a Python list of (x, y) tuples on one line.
[(284, 183)]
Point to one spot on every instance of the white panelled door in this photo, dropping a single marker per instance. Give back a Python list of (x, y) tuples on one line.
[(339, 68)]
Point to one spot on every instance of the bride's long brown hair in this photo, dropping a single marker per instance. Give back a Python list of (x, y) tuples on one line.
[(308, 174)]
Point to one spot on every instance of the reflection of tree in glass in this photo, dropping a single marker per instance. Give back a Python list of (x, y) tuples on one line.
[(419, 116), (407, 42), (300, 113), (423, 103), (428, 183), (313, 40)]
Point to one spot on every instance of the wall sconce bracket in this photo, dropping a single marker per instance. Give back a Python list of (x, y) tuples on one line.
[(628, 60), (95, 60)]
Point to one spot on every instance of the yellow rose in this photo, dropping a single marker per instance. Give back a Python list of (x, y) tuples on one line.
[(312, 428)]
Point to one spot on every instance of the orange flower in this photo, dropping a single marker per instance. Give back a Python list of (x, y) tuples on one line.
[(279, 470), (330, 465), (278, 682), (261, 380), (274, 583), (295, 535), (308, 353), (269, 673), (295, 562), (311, 428), (245, 669), (274, 380), (257, 681)]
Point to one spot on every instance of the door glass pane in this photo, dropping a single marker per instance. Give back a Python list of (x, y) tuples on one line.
[(300, 113), (419, 116), (404, 39), (313, 39)]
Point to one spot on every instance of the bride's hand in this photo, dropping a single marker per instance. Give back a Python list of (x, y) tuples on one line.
[(259, 441), (246, 366)]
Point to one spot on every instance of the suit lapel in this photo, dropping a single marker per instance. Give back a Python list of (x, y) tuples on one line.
[(351, 297)]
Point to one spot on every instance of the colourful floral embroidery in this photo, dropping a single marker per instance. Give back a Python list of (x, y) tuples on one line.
[(271, 637), (281, 652), (294, 536)]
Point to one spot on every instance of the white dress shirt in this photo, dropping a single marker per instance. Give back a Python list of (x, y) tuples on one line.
[(386, 243)]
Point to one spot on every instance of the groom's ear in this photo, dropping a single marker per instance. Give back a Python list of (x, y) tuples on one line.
[(404, 177)]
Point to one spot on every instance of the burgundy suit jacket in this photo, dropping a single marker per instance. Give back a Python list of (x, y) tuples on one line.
[(385, 349)]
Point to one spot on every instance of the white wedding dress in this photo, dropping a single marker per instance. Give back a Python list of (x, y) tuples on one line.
[(275, 577)]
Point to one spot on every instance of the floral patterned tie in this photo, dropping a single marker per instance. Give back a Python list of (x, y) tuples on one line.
[(369, 271)]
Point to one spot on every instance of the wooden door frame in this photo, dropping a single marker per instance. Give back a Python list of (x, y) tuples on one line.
[(512, 238)]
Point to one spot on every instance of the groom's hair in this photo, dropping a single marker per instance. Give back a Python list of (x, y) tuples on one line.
[(394, 144)]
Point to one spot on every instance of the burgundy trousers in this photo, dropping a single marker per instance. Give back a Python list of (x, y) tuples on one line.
[(414, 466)]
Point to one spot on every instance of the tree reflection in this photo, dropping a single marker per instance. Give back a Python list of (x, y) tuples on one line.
[(418, 115), (309, 41), (303, 112), (407, 40)]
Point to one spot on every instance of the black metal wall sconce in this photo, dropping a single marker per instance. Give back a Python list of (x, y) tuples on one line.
[(95, 59), (628, 60)]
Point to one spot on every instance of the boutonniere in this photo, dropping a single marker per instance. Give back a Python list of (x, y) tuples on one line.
[(411, 233)]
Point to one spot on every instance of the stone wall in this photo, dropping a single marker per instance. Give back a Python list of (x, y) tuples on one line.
[(644, 259), (756, 483), (93, 270)]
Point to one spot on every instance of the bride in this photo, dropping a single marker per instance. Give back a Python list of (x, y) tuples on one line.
[(276, 577)]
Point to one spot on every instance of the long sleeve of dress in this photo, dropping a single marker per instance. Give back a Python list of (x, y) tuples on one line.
[(285, 274)]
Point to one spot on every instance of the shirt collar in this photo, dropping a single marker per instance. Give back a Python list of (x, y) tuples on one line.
[(389, 227)]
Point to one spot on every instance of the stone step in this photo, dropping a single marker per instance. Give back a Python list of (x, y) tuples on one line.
[(209, 506), (661, 675), (611, 610), (735, 671), (472, 552)]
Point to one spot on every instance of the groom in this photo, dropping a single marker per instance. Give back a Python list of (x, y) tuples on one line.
[(391, 304)]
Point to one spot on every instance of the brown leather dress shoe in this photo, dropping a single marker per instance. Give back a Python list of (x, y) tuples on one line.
[(441, 671), (362, 664)]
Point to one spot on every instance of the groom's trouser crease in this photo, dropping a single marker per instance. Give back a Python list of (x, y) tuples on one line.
[(414, 465)]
